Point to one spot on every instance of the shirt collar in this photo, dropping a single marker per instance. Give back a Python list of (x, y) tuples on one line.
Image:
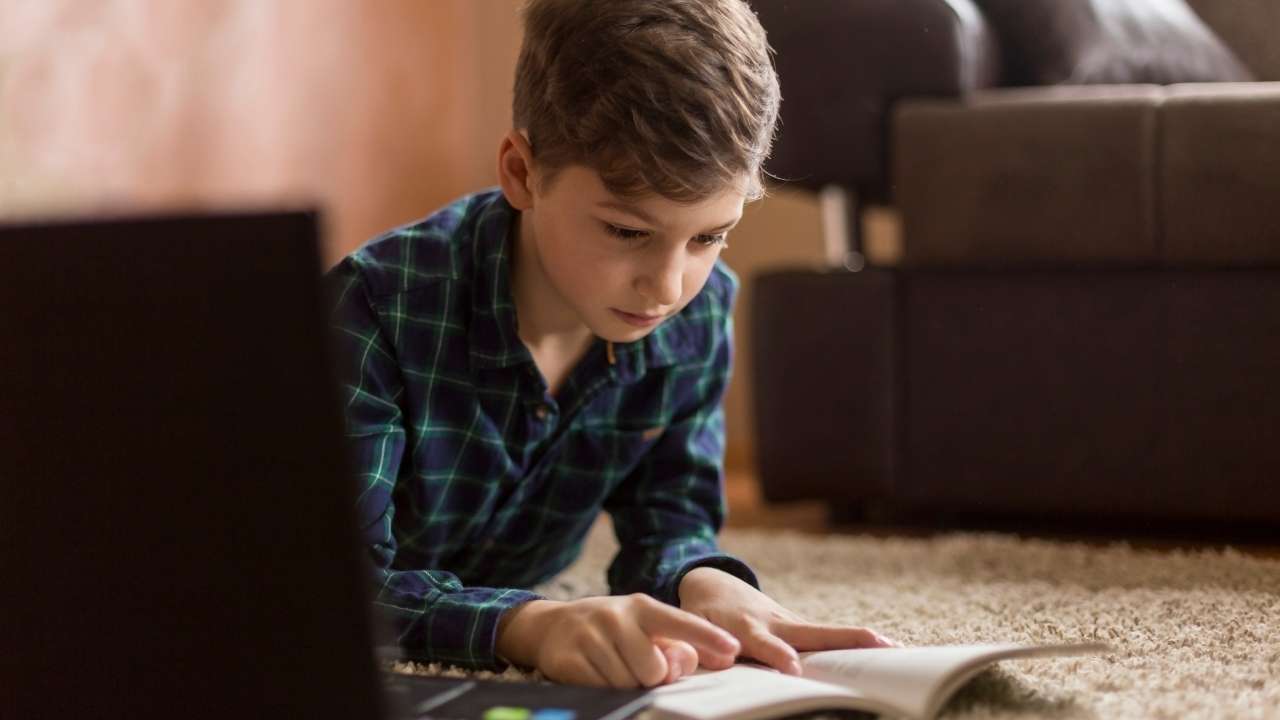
[(494, 341), (493, 336)]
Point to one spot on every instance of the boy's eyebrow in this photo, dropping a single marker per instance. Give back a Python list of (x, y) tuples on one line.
[(639, 213)]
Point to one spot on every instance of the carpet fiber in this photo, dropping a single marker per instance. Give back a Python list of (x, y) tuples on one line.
[(1195, 634)]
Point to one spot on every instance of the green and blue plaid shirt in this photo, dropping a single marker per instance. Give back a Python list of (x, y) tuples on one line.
[(476, 481)]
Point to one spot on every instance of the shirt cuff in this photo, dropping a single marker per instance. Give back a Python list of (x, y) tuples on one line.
[(719, 561), (496, 662), (500, 662), (464, 631)]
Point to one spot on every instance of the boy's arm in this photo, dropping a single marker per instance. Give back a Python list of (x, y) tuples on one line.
[(666, 515), (667, 512), (434, 617)]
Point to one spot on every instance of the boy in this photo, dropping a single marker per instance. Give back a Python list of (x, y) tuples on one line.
[(525, 358)]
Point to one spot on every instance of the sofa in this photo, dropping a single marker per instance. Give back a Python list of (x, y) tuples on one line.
[(1078, 317)]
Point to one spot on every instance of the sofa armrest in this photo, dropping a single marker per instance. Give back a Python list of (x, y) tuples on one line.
[(826, 392), (843, 62)]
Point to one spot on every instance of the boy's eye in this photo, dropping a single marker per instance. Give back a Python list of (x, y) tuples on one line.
[(629, 234), (624, 233)]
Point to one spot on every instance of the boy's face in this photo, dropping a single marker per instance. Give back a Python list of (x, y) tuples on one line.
[(624, 266)]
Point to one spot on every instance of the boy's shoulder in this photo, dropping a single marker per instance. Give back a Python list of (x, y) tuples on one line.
[(431, 249)]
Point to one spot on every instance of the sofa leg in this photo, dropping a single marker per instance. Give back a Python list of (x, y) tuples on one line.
[(841, 228), (870, 511)]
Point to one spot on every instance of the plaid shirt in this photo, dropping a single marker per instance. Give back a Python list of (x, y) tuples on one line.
[(475, 480)]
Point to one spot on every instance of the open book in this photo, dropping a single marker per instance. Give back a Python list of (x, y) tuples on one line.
[(911, 682)]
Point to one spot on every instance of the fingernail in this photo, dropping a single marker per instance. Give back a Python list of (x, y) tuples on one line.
[(794, 668)]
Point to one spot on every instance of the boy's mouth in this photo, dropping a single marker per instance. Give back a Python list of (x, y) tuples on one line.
[(637, 320)]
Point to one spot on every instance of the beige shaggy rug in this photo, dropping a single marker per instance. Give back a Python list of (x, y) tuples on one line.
[(1195, 634)]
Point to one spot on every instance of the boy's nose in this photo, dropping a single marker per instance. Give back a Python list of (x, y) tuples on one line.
[(664, 286)]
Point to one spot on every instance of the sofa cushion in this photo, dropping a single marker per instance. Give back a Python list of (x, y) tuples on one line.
[(1028, 176), (1217, 181), (1108, 41), (1249, 27)]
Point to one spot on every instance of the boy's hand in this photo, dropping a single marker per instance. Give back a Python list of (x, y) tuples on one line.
[(769, 632), (620, 641)]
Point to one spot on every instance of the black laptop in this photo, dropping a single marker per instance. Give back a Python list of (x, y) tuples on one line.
[(177, 523)]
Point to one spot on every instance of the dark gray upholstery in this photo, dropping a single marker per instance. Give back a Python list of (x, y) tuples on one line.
[(843, 62), (1082, 42), (1086, 319), (1028, 177), (1177, 176), (1219, 177), (1250, 28)]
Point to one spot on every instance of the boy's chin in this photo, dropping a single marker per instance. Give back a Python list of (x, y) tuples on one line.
[(621, 338), (618, 331)]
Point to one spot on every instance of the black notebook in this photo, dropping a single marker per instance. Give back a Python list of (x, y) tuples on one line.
[(177, 515), (431, 698)]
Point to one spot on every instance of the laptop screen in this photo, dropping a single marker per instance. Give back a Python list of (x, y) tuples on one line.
[(177, 532)]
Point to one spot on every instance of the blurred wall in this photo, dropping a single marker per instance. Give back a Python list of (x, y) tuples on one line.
[(371, 109), (377, 111)]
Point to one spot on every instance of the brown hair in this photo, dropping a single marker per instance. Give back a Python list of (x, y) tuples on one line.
[(674, 97)]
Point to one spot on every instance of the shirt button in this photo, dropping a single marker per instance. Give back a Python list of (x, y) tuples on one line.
[(542, 412)]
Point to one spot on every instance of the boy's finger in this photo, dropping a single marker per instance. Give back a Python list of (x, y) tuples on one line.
[(646, 662), (579, 671), (682, 658), (772, 651), (609, 663), (584, 673), (808, 637), (659, 619)]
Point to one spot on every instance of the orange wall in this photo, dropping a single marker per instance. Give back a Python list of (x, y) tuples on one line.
[(377, 111), (370, 109)]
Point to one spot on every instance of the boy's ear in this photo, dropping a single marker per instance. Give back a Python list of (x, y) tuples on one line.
[(516, 173)]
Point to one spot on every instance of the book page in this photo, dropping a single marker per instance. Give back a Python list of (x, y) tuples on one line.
[(918, 680), (746, 692)]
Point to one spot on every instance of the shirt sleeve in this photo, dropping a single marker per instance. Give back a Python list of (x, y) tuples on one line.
[(433, 617), (668, 510)]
